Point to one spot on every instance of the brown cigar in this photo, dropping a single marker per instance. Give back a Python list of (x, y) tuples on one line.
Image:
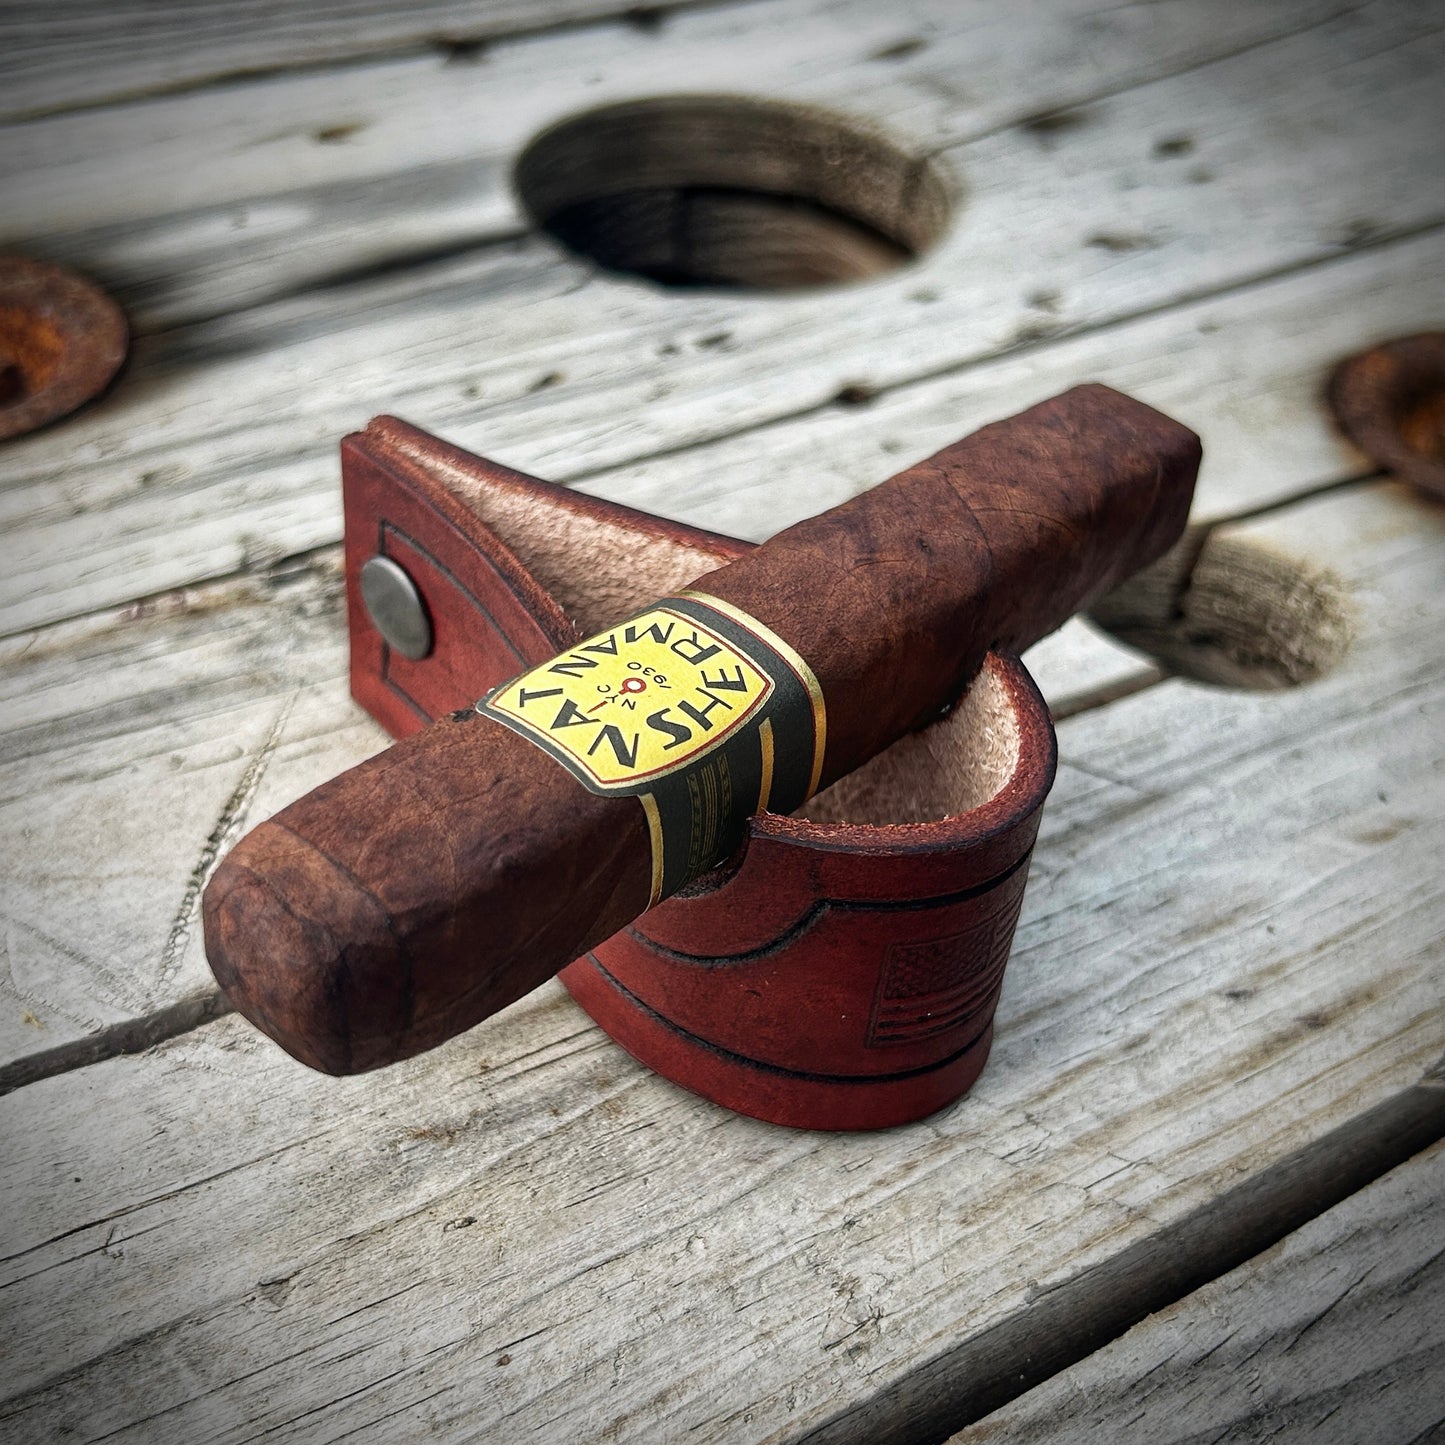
[(411, 897)]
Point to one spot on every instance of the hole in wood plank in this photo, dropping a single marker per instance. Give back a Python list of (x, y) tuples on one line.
[(732, 192), (1232, 611)]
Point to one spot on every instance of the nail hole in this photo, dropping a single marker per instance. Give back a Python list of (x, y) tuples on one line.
[(732, 192), (1047, 124), (463, 52), (901, 50), (12, 380), (332, 135), (649, 19), (1234, 612)]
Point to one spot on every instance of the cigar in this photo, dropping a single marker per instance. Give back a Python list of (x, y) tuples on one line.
[(415, 895)]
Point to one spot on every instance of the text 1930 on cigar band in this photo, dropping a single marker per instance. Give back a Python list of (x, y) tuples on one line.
[(698, 710)]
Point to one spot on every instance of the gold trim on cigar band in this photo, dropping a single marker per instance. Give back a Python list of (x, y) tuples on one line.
[(793, 659), (654, 832), (636, 711), (765, 742)]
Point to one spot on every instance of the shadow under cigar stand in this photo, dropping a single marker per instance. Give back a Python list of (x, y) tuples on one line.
[(841, 971)]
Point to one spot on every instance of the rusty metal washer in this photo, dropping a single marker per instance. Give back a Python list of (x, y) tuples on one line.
[(1390, 401), (62, 339)]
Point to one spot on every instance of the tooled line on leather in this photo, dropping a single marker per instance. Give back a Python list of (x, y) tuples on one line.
[(763, 1066), (806, 920), (385, 525)]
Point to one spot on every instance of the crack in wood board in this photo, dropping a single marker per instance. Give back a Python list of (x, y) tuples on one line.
[(231, 820), (130, 1036), (1257, 450), (1359, 1286), (1068, 1321)]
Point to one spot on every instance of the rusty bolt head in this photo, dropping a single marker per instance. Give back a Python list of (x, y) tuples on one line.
[(62, 339), (1390, 401)]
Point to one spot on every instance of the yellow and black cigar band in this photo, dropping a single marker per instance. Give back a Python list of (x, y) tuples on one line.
[(698, 710)]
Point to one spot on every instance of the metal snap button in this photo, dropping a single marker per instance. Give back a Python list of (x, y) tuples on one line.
[(396, 608)]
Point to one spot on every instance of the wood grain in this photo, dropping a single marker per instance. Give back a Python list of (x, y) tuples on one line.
[(1230, 951), (176, 696), (200, 463), (94, 52), (415, 150), (1230, 947), (1336, 1335)]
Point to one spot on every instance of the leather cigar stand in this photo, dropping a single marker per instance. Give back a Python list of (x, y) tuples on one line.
[(842, 969)]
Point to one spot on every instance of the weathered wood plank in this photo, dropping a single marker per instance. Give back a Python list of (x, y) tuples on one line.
[(1335, 1336), (1232, 940), (1230, 946), (1245, 369), (217, 448), (136, 749), (243, 203), (130, 515), (258, 188), (174, 701), (89, 53)]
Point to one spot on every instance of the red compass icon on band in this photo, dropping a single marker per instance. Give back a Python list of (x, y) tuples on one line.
[(630, 685)]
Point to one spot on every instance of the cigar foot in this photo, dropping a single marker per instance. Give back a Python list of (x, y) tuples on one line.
[(321, 975)]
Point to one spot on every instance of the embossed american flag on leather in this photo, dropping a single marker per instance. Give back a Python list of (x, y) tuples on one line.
[(934, 985)]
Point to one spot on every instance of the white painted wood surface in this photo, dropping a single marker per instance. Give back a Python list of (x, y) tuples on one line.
[(219, 449), (61, 56), (94, 722), (1232, 942), (1333, 1337)]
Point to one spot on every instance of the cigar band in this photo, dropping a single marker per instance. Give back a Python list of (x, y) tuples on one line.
[(701, 712)]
